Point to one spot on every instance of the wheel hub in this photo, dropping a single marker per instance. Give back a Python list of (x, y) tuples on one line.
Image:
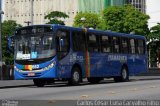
[(124, 73), (76, 76)]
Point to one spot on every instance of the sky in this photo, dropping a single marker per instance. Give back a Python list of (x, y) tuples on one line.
[(153, 11)]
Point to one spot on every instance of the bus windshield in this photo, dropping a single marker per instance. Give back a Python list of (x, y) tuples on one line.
[(34, 46)]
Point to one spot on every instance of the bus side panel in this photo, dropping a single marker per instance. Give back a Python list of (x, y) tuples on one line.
[(103, 68), (67, 63), (115, 68), (94, 61), (106, 68), (140, 64), (116, 61), (131, 64), (64, 67), (63, 70), (137, 64)]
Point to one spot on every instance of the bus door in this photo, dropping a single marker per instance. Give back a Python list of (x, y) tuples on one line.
[(62, 51), (79, 49)]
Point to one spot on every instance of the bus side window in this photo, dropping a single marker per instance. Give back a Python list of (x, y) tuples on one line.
[(116, 45), (62, 42), (132, 46), (124, 44), (140, 45), (106, 44), (78, 39), (93, 43)]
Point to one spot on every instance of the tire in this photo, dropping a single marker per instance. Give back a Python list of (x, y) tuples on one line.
[(94, 80), (76, 77), (39, 82), (124, 76)]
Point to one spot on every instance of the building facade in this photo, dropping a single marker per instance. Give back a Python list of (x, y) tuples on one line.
[(138, 4), (33, 11)]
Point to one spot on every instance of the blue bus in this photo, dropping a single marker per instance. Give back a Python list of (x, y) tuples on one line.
[(46, 53)]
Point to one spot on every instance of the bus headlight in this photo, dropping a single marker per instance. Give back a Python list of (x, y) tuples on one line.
[(49, 67), (17, 69)]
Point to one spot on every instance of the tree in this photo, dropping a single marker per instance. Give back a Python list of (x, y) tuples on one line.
[(8, 28), (154, 44), (88, 20), (125, 19), (154, 32), (54, 17)]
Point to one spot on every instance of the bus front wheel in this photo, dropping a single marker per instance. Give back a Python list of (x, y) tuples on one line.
[(123, 77), (39, 82), (76, 77)]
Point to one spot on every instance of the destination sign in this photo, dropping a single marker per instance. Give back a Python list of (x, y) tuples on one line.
[(33, 30)]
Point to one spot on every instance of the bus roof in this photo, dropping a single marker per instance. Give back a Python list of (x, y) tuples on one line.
[(110, 33), (102, 32)]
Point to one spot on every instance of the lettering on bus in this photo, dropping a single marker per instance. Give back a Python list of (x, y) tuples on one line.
[(133, 57), (74, 57), (117, 58), (35, 66)]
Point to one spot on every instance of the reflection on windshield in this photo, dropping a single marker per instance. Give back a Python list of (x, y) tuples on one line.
[(34, 47)]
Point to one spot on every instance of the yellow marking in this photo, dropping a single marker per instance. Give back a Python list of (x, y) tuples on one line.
[(84, 96)]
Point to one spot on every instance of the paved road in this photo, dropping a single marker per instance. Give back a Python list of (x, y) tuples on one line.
[(135, 89), (141, 89)]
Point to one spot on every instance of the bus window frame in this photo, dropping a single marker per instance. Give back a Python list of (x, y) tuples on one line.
[(108, 43), (130, 50), (97, 42), (84, 40), (113, 45), (144, 48), (121, 47)]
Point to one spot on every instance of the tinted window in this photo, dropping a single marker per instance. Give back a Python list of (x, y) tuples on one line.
[(106, 44), (132, 46), (140, 45), (93, 43), (116, 43), (124, 44), (78, 39)]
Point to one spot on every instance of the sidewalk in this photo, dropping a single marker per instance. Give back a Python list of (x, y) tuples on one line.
[(15, 83)]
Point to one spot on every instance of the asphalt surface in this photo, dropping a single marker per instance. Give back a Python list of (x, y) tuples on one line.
[(59, 94), (153, 73), (22, 83), (15, 83)]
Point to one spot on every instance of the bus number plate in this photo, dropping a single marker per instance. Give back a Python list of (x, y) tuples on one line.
[(31, 74)]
